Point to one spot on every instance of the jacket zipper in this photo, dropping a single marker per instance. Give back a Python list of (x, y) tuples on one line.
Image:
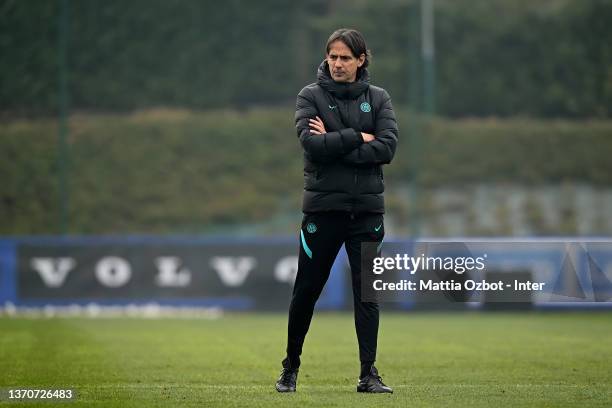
[(354, 194), (354, 176)]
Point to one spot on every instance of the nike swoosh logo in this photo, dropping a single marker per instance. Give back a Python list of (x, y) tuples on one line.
[(332, 107), (377, 228)]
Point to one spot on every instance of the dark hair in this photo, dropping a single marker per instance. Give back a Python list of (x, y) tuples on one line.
[(354, 40)]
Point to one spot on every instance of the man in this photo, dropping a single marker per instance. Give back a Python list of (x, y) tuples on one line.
[(348, 130)]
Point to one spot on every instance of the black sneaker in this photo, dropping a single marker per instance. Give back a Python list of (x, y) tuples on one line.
[(287, 380), (372, 383)]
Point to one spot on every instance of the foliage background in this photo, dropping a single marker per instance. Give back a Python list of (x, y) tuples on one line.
[(180, 112)]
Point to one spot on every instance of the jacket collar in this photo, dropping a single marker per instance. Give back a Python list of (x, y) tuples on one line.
[(343, 90)]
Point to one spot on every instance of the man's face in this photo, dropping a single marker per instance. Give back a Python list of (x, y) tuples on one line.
[(342, 64)]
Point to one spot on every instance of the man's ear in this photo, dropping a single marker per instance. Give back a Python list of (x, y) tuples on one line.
[(361, 60)]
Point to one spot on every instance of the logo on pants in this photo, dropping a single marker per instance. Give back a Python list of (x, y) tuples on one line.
[(311, 227)]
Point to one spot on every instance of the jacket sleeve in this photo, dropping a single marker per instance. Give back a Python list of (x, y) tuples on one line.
[(329, 146), (382, 149)]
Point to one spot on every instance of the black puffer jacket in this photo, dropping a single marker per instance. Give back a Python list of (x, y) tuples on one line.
[(341, 171)]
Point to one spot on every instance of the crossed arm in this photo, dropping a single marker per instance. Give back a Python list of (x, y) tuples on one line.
[(347, 145), (317, 127)]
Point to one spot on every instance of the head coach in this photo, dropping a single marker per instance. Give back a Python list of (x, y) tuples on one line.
[(348, 131)]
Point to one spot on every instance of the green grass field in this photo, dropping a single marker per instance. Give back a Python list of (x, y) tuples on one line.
[(431, 359)]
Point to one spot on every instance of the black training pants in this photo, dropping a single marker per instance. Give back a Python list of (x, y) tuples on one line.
[(321, 237)]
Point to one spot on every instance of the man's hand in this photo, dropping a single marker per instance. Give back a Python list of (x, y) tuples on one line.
[(317, 126), (367, 137)]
